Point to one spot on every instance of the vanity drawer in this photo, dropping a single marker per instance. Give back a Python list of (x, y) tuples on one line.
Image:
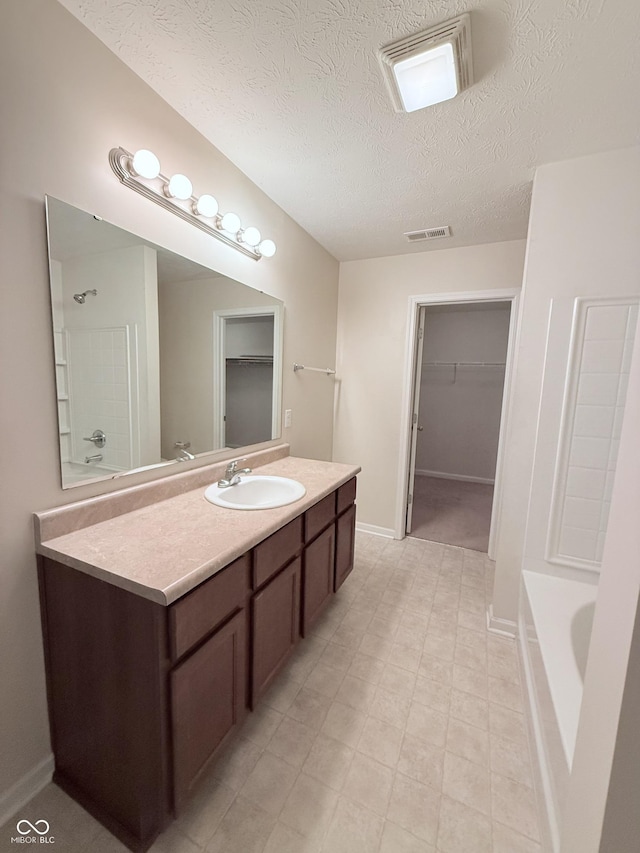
[(195, 615), (276, 551), (346, 495), (319, 516)]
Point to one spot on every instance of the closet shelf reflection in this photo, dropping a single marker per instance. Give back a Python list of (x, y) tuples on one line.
[(457, 364), (251, 359), (463, 364)]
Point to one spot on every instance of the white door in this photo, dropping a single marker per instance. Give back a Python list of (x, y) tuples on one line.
[(415, 426)]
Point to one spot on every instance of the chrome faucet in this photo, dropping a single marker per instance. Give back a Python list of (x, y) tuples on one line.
[(232, 474), (183, 454)]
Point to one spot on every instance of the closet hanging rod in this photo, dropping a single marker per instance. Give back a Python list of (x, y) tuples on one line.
[(326, 370)]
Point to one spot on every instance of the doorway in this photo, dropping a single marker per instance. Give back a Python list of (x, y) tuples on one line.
[(457, 384), (247, 386)]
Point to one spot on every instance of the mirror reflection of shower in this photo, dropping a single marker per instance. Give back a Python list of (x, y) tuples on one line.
[(81, 297)]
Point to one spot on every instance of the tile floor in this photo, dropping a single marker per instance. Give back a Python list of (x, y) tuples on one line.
[(397, 727)]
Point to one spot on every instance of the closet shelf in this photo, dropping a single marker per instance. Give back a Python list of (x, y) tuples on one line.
[(251, 359), (457, 364), (463, 364)]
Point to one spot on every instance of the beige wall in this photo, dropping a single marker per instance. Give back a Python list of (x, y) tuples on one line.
[(583, 241), (372, 335), (65, 101)]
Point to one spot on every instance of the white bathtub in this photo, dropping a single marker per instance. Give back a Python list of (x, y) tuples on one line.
[(555, 630), (74, 473)]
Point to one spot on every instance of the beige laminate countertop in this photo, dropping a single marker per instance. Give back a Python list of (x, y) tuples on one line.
[(164, 550)]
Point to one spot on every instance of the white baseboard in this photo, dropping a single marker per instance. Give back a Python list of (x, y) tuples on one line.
[(442, 475), (374, 530), (24, 789), (504, 627)]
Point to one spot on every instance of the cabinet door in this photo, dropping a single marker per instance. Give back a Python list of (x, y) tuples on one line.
[(317, 577), (275, 612), (345, 544), (207, 700)]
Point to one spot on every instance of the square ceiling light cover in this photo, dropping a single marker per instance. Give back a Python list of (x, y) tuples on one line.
[(430, 66)]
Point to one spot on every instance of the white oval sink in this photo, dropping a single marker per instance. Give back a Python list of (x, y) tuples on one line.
[(257, 491)]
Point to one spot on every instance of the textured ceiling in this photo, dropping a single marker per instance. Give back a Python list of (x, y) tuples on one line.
[(291, 91)]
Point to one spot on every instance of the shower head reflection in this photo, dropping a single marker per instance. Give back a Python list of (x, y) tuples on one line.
[(81, 297)]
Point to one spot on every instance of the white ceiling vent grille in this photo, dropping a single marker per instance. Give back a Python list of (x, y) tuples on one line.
[(407, 61), (428, 234)]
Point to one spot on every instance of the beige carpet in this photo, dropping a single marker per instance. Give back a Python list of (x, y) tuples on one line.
[(452, 512)]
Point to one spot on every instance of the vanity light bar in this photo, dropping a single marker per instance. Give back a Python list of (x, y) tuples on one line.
[(141, 172)]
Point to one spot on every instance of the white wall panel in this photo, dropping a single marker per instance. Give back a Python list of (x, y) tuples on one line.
[(596, 381)]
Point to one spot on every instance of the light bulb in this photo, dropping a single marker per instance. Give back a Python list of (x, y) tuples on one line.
[(179, 186), (267, 248), (206, 205), (230, 222), (145, 164), (251, 236)]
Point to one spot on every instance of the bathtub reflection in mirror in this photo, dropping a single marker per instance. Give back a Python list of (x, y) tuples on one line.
[(157, 358)]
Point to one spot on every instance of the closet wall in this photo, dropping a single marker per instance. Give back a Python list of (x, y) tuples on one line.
[(460, 403)]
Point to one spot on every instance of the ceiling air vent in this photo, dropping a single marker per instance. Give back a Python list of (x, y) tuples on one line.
[(430, 66), (428, 234)]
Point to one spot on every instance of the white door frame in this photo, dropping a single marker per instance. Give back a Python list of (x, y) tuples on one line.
[(220, 318), (415, 414), (511, 295)]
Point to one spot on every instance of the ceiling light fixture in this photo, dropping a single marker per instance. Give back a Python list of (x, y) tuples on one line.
[(141, 172), (428, 67)]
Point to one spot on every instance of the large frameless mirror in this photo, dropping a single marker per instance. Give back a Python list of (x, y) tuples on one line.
[(158, 359)]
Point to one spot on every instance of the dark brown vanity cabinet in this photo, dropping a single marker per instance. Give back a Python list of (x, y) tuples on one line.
[(207, 695), (275, 605), (142, 696), (345, 545), (275, 619), (345, 531), (319, 569), (208, 637)]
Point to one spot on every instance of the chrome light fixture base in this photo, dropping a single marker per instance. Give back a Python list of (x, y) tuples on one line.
[(154, 189)]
